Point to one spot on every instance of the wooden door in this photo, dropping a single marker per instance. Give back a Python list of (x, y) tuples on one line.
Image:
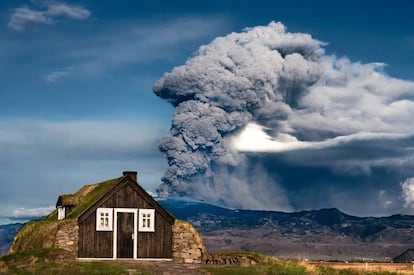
[(125, 237)]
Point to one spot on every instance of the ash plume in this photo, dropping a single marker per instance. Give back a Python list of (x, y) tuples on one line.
[(284, 87)]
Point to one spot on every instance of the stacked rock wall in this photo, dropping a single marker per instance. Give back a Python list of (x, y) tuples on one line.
[(187, 244), (67, 237), (221, 259)]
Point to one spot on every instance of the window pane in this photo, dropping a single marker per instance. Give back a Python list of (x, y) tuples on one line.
[(146, 220), (104, 219)]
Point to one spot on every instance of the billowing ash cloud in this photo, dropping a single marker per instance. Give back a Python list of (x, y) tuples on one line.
[(271, 93)]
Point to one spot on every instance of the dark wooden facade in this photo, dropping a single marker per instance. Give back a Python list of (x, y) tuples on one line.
[(126, 194)]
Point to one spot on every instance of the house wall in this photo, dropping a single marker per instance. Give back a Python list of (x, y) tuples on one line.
[(92, 243), (99, 244)]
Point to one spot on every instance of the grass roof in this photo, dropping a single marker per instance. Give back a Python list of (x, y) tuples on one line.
[(42, 233), (85, 197), (89, 194), (67, 200)]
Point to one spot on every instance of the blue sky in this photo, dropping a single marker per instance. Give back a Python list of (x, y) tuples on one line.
[(77, 105)]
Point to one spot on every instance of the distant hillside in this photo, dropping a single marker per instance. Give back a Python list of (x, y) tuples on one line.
[(7, 233), (406, 257), (326, 234)]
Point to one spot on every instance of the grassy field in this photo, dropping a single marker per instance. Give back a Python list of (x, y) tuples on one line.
[(268, 269), (313, 269), (44, 261), (269, 265)]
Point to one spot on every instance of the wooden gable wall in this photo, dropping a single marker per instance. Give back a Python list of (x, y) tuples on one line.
[(125, 194)]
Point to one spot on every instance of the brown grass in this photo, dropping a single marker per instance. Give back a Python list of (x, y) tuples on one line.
[(39, 234), (402, 268)]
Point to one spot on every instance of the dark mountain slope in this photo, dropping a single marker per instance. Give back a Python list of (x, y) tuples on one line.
[(7, 233), (406, 257), (326, 234)]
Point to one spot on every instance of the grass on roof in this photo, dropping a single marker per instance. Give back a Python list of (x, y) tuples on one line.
[(87, 196), (41, 233), (69, 199)]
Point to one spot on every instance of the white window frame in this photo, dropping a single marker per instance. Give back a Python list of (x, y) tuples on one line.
[(61, 212), (104, 227), (149, 224)]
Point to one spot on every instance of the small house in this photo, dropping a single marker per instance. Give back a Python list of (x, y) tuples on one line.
[(118, 219), (110, 220), (65, 205)]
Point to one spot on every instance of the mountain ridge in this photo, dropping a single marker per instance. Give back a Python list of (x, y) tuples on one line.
[(324, 234)]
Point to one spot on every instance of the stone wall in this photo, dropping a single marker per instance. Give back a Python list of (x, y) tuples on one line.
[(222, 259), (187, 244), (67, 237)]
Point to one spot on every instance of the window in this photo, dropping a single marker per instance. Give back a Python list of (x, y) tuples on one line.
[(146, 220), (104, 219)]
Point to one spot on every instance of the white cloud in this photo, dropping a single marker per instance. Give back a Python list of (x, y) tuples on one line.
[(31, 213), (25, 18), (24, 214), (57, 75), (73, 12), (407, 192), (384, 199)]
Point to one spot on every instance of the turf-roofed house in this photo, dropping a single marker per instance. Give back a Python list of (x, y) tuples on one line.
[(113, 219)]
